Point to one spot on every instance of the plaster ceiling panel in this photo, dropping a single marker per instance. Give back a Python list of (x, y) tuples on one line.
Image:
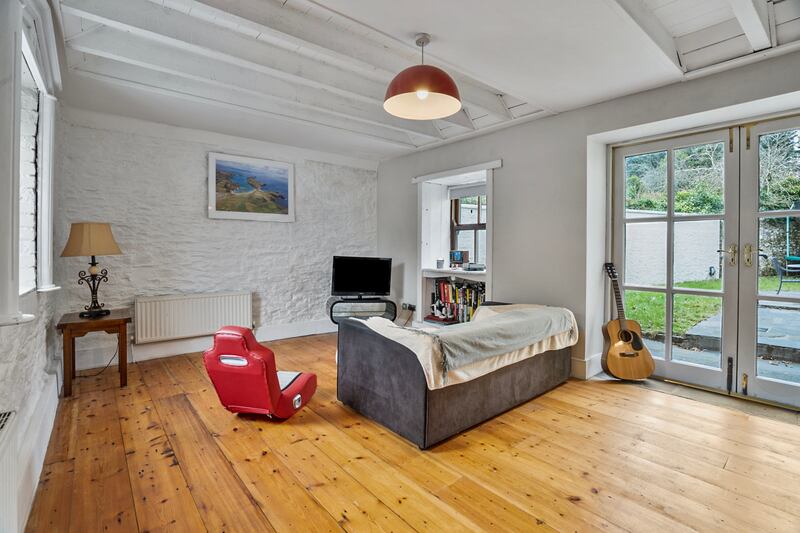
[(554, 55)]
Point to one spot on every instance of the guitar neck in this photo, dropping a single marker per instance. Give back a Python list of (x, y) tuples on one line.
[(618, 299)]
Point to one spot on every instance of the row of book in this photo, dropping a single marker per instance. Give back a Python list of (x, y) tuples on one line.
[(455, 301)]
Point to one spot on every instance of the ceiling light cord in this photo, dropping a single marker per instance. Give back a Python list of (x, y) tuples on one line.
[(422, 39)]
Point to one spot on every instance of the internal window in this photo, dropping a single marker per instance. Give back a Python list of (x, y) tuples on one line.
[(468, 226), (29, 144)]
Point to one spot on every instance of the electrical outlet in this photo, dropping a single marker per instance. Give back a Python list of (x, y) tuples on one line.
[(405, 306)]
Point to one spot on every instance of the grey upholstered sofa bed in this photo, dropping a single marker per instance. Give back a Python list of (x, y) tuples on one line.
[(383, 380)]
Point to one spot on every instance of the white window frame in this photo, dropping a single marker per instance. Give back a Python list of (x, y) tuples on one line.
[(38, 47), (46, 80)]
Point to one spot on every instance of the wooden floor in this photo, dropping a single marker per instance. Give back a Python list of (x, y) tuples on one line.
[(162, 455)]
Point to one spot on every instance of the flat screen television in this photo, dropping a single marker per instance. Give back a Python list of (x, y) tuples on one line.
[(361, 276)]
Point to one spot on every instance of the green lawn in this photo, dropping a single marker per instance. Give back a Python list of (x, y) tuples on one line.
[(648, 308)]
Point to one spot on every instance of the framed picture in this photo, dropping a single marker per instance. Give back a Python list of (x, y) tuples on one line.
[(247, 188)]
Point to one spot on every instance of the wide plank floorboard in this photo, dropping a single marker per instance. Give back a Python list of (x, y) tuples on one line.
[(163, 455)]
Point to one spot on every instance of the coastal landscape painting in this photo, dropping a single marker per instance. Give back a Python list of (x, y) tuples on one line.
[(250, 189)]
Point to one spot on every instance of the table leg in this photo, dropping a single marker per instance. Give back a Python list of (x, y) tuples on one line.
[(122, 338), (72, 351), (69, 371)]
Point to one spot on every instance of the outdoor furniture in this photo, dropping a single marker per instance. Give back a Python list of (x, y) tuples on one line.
[(784, 272), (792, 263)]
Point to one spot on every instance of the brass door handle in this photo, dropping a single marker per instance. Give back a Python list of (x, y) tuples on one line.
[(731, 251), (749, 251)]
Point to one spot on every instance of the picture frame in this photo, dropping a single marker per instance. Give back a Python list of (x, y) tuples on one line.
[(249, 188)]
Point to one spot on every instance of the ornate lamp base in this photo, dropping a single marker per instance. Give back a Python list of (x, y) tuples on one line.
[(93, 280), (94, 313)]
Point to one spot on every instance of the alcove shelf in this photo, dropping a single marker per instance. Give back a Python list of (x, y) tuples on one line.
[(433, 209)]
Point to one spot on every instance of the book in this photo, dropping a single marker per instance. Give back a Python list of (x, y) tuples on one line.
[(455, 301)]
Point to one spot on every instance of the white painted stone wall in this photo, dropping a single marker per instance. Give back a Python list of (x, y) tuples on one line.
[(24, 352), (150, 182), (29, 118)]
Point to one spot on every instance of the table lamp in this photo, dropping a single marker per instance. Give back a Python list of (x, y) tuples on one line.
[(91, 239)]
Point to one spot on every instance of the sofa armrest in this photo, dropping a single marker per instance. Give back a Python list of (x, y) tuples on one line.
[(382, 380)]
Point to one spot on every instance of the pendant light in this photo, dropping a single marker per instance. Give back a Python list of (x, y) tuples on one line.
[(422, 92)]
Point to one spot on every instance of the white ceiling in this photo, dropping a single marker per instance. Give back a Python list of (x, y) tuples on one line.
[(312, 73), (556, 55), (680, 17)]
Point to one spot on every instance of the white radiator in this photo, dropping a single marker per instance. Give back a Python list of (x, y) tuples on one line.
[(9, 478), (161, 318)]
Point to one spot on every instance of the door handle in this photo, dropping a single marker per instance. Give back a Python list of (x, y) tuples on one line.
[(731, 251), (748, 254)]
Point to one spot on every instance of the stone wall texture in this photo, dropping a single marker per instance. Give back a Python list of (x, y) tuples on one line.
[(152, 188), (24, 352)]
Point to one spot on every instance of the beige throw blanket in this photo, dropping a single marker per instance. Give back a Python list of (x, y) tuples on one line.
[(464, 344), (428, 349)]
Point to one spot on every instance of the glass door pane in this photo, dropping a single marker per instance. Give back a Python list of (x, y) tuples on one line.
[(649, 309), (699, 179), (697, 330), (646, 185), (646, 254), (779, 255), (778, 345), (698, 262)]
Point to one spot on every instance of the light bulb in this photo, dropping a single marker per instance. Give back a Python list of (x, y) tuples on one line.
[(422, 94)]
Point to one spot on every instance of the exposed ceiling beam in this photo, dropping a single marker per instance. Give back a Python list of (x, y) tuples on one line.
[(462, 119), (146, 79), (650, 28), (754, 19), (191, 34), (350, 50), (132, 49), (188, 33)]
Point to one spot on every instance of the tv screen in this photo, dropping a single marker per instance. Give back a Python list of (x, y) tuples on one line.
[(361, 276)]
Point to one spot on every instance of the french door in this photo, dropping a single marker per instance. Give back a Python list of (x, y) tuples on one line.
[(707, 227), (769, 310)]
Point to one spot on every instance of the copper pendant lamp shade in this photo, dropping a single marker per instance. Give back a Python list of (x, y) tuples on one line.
[(422, 92)]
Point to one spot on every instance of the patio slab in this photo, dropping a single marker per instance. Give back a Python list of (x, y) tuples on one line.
[(777, 326), (774, 369)]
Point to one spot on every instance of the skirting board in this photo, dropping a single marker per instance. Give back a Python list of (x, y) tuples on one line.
[(33, 445), (587, 368), (98, 356)]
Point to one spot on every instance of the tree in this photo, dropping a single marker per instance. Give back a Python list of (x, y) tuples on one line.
[(779, 170)]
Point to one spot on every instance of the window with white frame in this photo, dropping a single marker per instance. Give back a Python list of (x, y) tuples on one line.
[(468, 222), (28, 180)]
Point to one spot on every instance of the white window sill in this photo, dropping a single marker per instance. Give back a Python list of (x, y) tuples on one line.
[(14, 320), (48, 288), (27, 292)]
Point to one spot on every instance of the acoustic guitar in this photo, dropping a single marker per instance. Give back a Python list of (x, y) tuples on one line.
[(626, 355)]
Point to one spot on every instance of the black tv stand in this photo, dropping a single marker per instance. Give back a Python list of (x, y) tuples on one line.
[(360, 307)]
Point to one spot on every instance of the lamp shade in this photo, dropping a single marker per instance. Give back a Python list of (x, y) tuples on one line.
[(90, 238), (422, 92)]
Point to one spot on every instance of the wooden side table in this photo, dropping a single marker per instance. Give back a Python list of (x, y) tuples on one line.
[(73, 326)]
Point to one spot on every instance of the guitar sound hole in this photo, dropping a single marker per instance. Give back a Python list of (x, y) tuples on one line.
[(625, 336)]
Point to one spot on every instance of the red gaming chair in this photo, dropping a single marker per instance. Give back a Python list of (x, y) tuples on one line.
[(243, 372)]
